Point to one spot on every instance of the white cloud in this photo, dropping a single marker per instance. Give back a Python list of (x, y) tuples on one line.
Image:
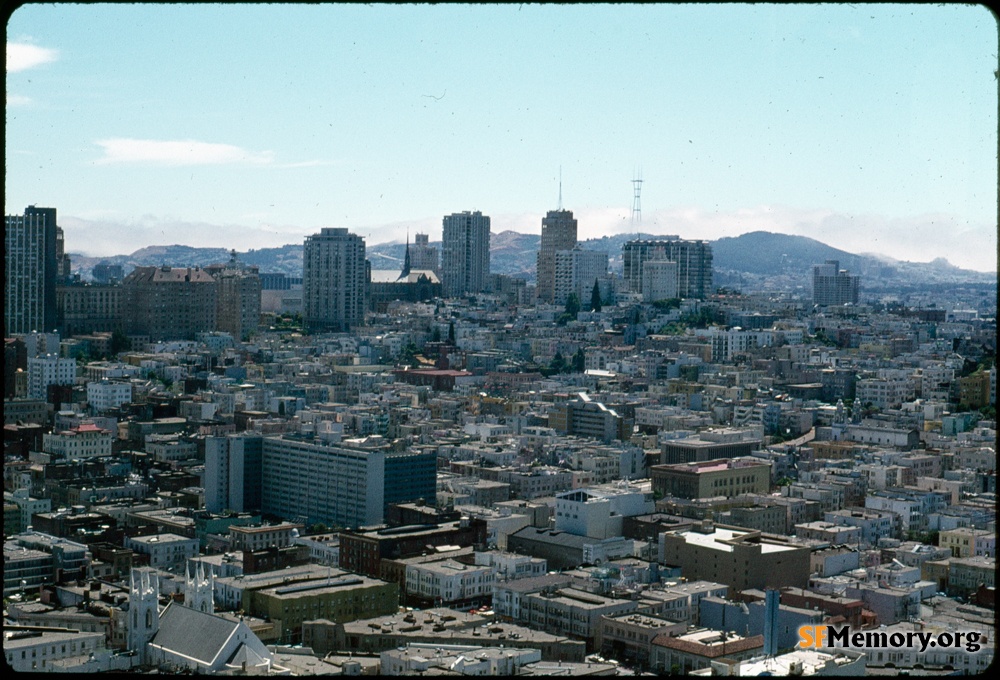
[(306, 164), (22, 56), (175, 153), (107, 233), (18, 100)]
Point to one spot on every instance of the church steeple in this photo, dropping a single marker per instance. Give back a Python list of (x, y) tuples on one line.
[(143, 620), (198, 593), (406, 258)]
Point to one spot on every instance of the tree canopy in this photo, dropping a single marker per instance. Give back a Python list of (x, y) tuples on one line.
[(595, 298)]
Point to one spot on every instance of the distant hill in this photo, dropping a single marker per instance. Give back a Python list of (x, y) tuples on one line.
[(782, 259), (287, 259), (514, 253), (755, 260), (762, 252)]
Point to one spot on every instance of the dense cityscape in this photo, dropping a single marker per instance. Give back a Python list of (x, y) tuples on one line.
[(611, 465)]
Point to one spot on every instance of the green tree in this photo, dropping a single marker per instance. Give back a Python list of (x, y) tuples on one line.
[(667, 304), (408, 356), (558, 364), (119, 342), (451, 332), (573, 304), (595, 298), (579, 361), (436, 334), (673, 328), (572, 309)]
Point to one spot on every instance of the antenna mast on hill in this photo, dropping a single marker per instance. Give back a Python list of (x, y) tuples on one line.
[(636, 201)]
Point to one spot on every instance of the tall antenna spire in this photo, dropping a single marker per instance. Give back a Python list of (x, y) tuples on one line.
[(636, 202), (560, 187)]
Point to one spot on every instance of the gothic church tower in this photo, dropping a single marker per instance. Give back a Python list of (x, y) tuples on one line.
[(144, 613), (199, 587)]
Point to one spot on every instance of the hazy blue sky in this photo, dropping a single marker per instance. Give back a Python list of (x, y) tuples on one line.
[(869, 127)]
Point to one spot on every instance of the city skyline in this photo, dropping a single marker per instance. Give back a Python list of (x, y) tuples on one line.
[(869, 127)]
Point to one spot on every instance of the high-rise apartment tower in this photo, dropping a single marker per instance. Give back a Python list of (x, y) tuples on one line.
[(576, 271), (833, 285), (30, 271), (238, 302), (334, 281), (558, 233), (169, 303), (693, 258), (465, 247)]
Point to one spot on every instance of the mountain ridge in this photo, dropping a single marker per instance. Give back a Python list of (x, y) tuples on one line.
[(754, 259)]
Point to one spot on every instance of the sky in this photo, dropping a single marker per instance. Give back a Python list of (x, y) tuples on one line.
[(872, 128)]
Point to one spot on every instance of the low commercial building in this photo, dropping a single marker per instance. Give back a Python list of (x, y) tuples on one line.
[(874, 524), (967, 574), (234, 592), (261, 536), (25, 569), (362, 552), (680, 602), (629, 637), (570, 611), (833, 560), (804, 662), (768, 519), (166, 551), (418, 659), (437, 626), (510, 566), (25, 507), (38, 558), (834, 534), (33, 649), (168, 520), (711, 445), (323, 548), (509, 596), (85, 441), (567, 551), (968, 542), (738, 558), (697, 649), (728, 478), (748, 618), (450, 583), (341, 597), (598, 512), (848, 608), (583, 417)]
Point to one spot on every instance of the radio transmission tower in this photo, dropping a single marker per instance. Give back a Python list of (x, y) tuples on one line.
[(560, 188), (636, 200)]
